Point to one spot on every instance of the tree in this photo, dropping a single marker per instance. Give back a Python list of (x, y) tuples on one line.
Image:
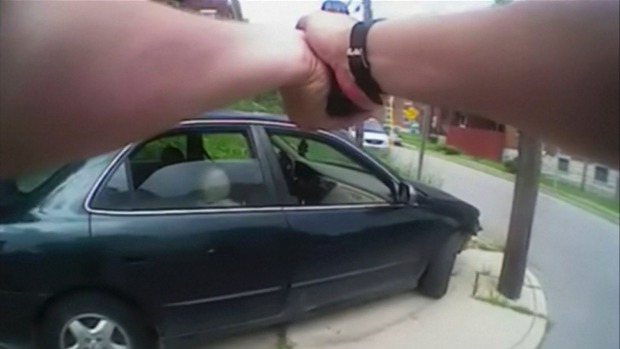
[(268, 102)]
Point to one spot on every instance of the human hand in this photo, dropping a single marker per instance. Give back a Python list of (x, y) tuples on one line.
[(305, 98), (328, 37)]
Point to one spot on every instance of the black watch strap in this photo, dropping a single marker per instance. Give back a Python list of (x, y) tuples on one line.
[(358, 61)]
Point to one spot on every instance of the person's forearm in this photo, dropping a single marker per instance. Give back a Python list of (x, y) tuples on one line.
[(512, 64), (75, 82)]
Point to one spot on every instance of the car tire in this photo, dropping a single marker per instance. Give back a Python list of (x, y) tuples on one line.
[(94, 318), (436, 278)]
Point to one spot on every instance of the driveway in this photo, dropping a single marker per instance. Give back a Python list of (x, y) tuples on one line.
[(574, 254)]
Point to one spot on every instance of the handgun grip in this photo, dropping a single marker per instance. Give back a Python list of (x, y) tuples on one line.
[(338, 105)]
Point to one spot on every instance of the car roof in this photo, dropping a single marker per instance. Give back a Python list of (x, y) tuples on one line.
[(237, 115), (241, 115), (372, 121)]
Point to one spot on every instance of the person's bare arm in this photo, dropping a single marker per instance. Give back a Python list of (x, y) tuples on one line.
[(547, 67), (83, 77)]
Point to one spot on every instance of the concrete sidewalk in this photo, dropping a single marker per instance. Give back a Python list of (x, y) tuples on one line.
[(471, 315)]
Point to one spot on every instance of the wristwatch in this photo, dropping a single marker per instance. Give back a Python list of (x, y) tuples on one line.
[(359, 64)]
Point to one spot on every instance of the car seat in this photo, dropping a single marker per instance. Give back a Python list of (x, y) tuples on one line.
[(190, 184)]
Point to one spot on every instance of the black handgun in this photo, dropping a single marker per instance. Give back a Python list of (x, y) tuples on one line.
[(338, 105)]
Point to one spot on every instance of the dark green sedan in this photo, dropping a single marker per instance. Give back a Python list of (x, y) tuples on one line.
[(226, 222)]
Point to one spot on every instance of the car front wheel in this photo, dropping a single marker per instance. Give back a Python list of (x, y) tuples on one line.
[(94, 321), (436, 279)]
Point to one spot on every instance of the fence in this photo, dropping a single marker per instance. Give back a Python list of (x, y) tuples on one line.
[(590, 177)]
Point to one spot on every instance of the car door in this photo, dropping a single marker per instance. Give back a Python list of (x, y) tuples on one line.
[(199, 236), (357, 240)]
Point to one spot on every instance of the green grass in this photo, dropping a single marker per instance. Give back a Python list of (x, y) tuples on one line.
[(601, 205), (572, 193), (416, 141)]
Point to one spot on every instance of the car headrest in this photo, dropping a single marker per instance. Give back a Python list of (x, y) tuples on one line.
[(171, 155), (215, 185), (187, 178)]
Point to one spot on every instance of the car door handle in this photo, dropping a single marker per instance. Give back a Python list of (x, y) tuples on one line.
[(211, 251)]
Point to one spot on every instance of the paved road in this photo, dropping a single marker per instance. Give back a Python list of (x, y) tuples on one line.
[(574, 254)]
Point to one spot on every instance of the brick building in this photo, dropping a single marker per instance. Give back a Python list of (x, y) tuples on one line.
[(478, 136), (470, 133)]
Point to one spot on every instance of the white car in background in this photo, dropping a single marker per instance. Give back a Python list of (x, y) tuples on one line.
[(375, 136)]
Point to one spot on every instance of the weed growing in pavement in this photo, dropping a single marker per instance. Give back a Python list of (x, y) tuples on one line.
[(497, 299), (283, 341)]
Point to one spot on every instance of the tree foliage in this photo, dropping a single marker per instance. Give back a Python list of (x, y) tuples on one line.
[(269, 102)]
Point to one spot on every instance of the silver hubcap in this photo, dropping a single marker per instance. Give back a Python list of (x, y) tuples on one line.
[(93, 331)]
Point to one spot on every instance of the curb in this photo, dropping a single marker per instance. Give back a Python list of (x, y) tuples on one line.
[(538, 328), (532, 298)]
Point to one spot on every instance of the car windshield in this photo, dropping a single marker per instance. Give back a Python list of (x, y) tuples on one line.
[(373, 126), (335, 6)]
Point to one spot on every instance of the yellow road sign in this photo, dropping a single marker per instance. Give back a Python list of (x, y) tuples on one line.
[(411, 113)]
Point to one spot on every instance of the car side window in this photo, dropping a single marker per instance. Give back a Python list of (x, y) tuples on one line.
[(226, 146), (154, 150), (317, 172), (189, 170), (321, 152)]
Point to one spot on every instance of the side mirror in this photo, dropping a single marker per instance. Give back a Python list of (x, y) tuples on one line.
[(405, 193)]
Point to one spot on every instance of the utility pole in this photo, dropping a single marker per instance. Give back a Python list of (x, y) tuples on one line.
[(426, 127), (521, 218), (359, 128)]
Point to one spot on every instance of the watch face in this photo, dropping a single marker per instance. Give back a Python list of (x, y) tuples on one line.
[(335, 6)]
